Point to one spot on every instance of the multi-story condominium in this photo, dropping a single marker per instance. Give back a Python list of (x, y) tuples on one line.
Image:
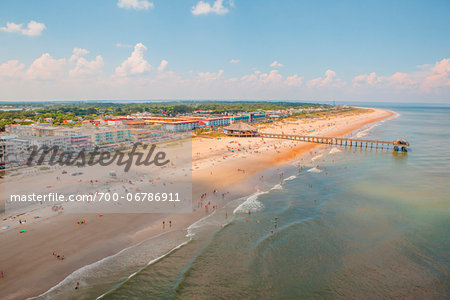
[(140, 134), (79, 138), (213, 122), (18, 148), (104, 136), (180, 125), (32, 130)]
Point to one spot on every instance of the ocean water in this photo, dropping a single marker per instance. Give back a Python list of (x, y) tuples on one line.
[(352, 223)]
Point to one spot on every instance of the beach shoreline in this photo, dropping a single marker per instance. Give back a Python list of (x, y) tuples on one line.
[(214, 168)]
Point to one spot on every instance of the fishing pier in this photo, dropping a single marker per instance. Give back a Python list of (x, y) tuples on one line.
[(398, 145)]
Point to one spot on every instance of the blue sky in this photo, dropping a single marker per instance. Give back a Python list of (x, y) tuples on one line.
[(319, 50)]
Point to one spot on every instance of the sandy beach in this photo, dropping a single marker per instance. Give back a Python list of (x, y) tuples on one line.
[(219, 164)]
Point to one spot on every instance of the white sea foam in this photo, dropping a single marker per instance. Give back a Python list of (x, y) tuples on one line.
[(334, 150), (314, 170), (290, 178), (92, 269), (197, 224), (148, 264), (277, 187), (366, 131), (252, 203), (316, 157)]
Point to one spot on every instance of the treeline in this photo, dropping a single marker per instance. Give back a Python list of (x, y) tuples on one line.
[(89, 111)]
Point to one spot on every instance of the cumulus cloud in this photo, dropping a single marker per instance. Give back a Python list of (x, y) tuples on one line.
[(276, 64), (120, 45), (427, 79), (204, 8), (210, 76), (47, 74), (370, 79), (260, 79), (136, 64), (294, 80), (272, 77), (163, 65), (234, 61), (135, 4), (251, 77), (33, 28), (330, 79), (438, 76), (46, 67), (12, 69), (77, 52), (80, 51), (84, 67)]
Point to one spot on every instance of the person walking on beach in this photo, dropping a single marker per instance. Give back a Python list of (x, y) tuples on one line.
[(78, 285)]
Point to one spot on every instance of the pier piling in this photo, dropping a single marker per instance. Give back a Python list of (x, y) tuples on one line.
[(398, 145)]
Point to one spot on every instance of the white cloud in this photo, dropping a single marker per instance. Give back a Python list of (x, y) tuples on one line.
[(204, 8), (86, 68), (12, 68), (163, 65), (135, 4), (370, 79), (276, 64), (428, 78), (120, 45), (33, 28), (48, 77), (438, 76), (329, 80), (210, 76), (234, 61), (12, 27), (272, 77), (46, 67), (77, 52), (80, 51), (135, 64), (251, 77), (294, 80)]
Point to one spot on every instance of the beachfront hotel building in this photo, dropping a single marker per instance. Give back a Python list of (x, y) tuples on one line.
[(105, 136), (32, 130), (79, 139), (213, 122), (180, 125), (3, 140), (248, 118), (191, 123), (141, 134), (18, 148)]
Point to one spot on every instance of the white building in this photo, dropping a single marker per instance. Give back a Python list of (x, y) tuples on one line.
[(18, 148), (104, 136)]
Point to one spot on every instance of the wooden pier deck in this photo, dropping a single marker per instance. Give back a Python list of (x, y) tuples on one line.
[(398, 145)]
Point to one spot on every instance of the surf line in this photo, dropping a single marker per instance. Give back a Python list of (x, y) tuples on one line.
[(61, 283)]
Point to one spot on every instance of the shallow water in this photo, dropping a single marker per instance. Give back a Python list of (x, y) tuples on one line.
[(354, 223)]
